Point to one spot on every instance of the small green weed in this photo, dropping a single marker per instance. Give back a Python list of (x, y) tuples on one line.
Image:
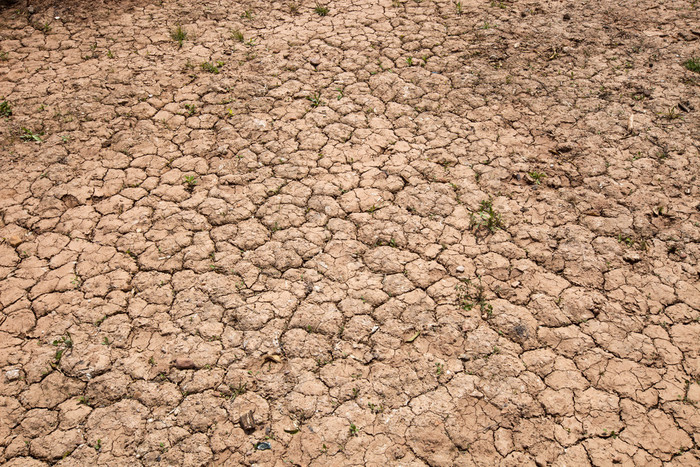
[(409, 61), (211, 68), (179, 35), (247, 14), (5, 109), (315, 99), (191, 109), (375, 408), (470, 295), (45, 28), (29, 135), (321, 10), (439, 369), (63, 344), (354, 431), (190, 181), (237, 36), (672, 114), (458, 7), (537, 176), (239, 390), (487, 217), (693, 64), (629, 241)]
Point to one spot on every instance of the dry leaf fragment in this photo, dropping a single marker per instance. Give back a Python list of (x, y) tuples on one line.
[(413, 337)]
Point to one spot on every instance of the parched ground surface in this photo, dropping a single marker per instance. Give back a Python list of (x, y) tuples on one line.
[(303, 231)]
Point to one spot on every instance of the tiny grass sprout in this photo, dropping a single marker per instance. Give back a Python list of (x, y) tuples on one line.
[(29, 135), (315, 99), (179, 35), (237, 36), (321, 10), (672, 114), (210, 68), (537, 177), (239, 390)]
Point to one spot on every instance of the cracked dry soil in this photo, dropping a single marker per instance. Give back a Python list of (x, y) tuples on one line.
[(385, 233)]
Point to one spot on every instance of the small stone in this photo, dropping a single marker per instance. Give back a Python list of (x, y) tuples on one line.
[(459, 269), (315, 60), (567, 17), (12, 375), (247, 421), (264, 446), (70, 201), (184, 363), (30, 9), (631, 257), (14, 240)]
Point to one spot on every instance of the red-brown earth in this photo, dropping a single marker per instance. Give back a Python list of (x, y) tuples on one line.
[(398, 233)]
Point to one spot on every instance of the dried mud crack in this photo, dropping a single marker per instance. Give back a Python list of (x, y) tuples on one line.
[(359, 232)]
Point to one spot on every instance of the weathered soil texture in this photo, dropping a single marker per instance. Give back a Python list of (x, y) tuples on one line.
[(386, 233)]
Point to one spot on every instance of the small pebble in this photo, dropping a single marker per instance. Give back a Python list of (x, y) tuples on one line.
[(12, 375), (315, 60), (460, 269), (184, 363), (631, 257), (30, 9)]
